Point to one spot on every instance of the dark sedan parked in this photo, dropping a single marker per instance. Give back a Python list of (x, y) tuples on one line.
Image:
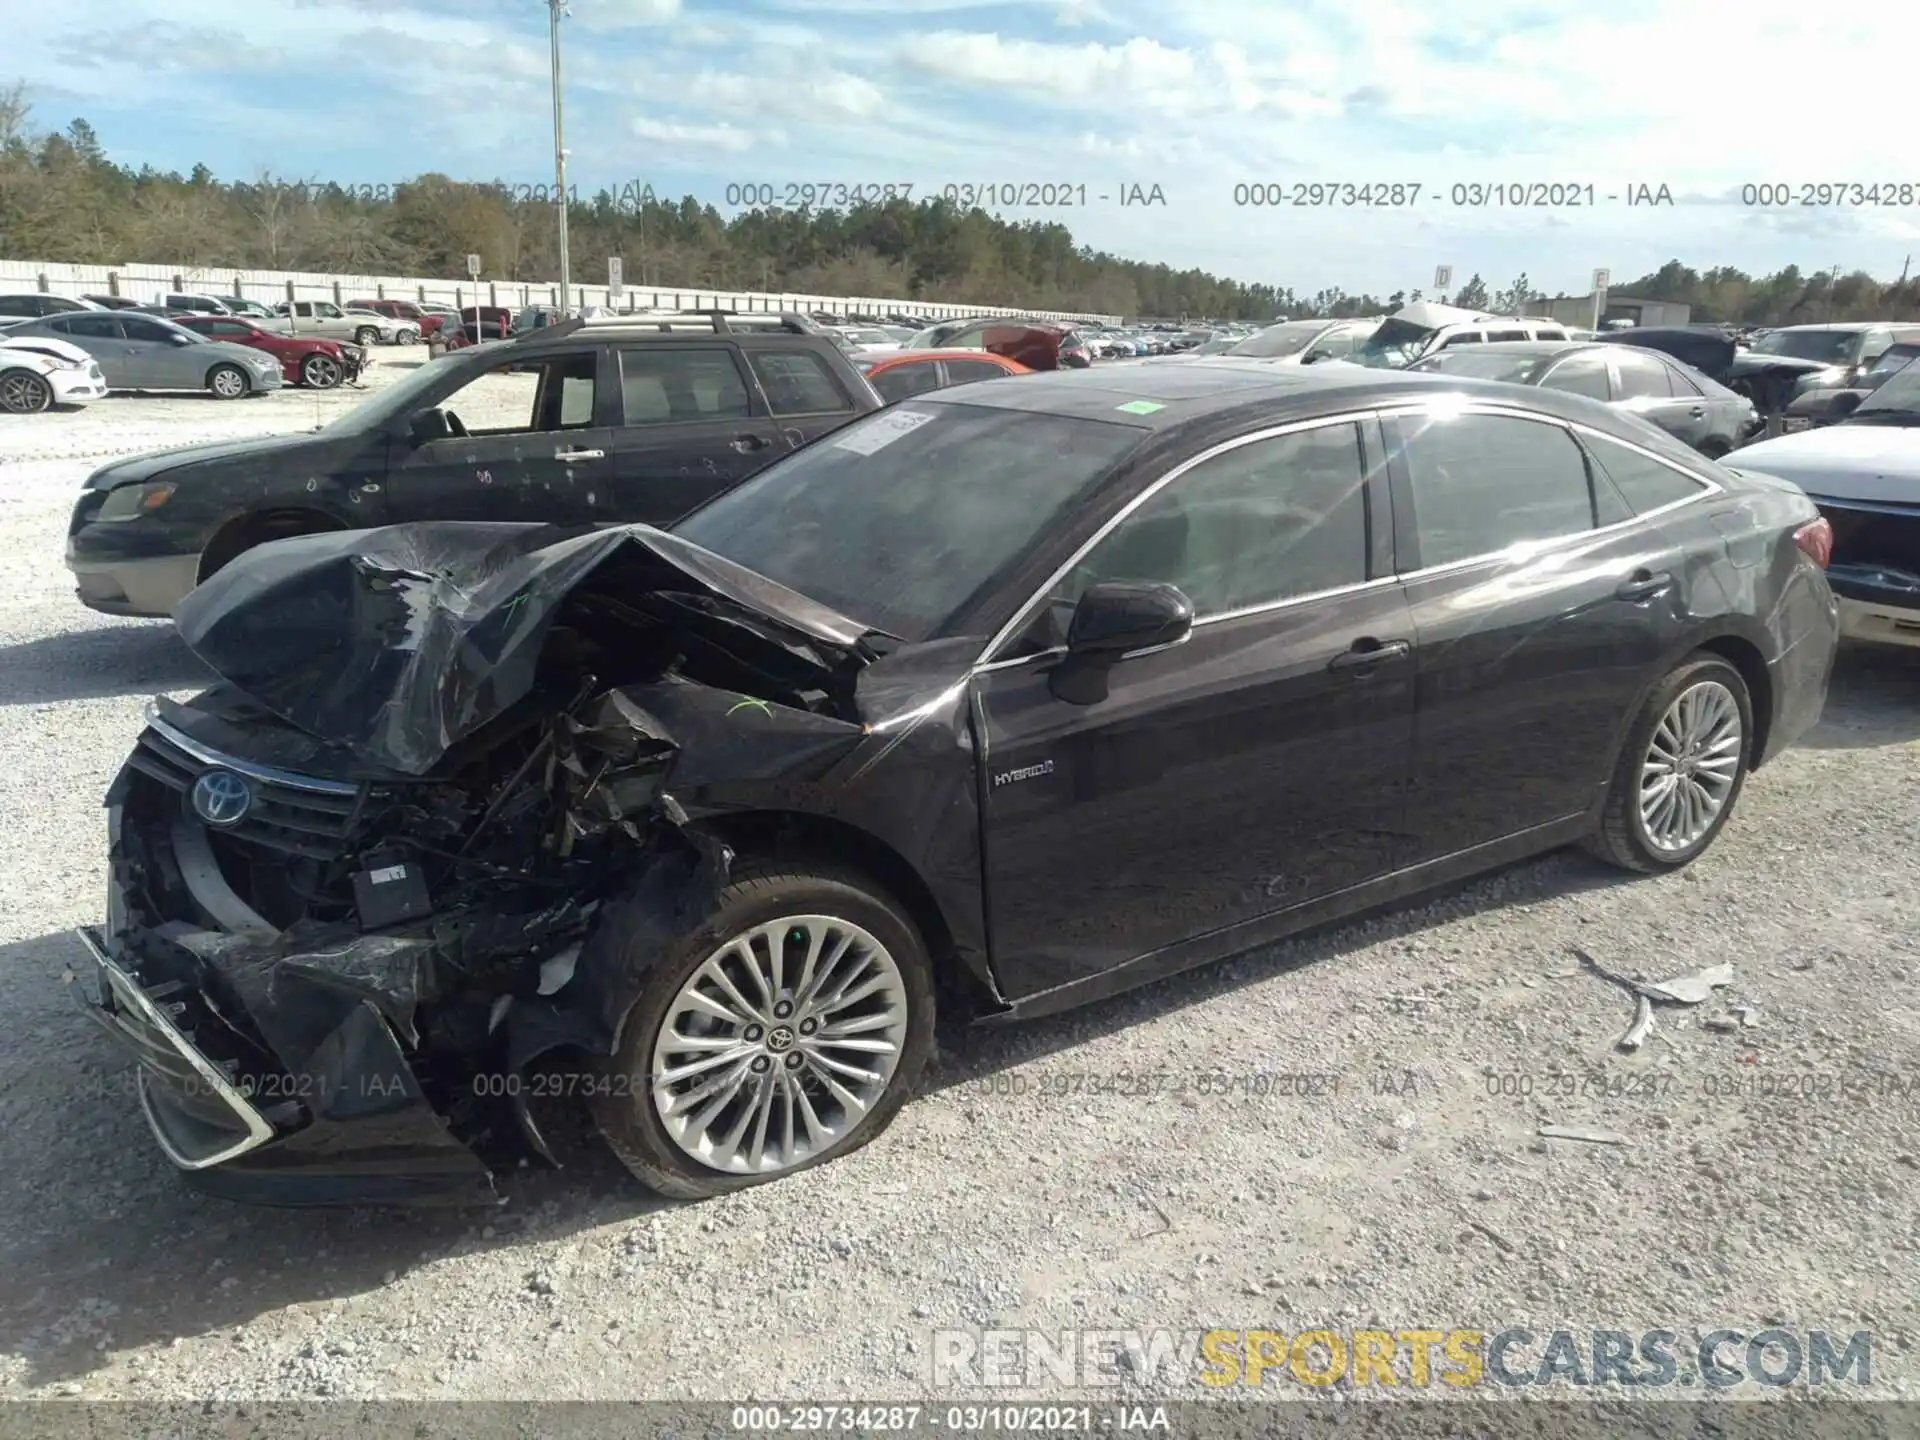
[(1046, 688), (1687, 405)]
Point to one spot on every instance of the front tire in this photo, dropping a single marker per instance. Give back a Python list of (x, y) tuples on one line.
[(1715, 449), (24, 393), (320, 372), (1682, 768), (227, 382), (785, 1032)]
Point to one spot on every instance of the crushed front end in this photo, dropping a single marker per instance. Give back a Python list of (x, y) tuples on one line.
[(333, 978)]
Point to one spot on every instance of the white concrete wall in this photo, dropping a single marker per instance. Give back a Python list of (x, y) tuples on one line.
[(146, 283)]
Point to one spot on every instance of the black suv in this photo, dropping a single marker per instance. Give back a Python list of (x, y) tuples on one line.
[(585, 422)]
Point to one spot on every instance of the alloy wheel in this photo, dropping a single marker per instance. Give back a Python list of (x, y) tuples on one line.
[(22, 394), (779, 1044), (229, 383), (322, 372), (1692, 762)]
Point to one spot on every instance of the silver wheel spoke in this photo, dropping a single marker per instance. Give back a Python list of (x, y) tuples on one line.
[(756, 1073), (1691, 765)]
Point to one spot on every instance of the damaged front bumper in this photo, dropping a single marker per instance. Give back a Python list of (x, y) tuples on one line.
[(352, 1125)]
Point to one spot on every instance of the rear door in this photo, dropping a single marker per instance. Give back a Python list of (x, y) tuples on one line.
[(965, 372), (1541, 609), (535, 448), (917, 377), (1646, 386), (803, 394), (689, 425)]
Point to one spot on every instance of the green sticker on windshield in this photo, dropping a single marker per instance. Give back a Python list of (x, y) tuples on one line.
[(1139, 407)]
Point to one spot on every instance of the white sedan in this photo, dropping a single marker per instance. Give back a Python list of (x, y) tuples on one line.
[(38, 373), (1864, 474)]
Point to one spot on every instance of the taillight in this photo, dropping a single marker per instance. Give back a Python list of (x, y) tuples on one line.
[(1815, 539)]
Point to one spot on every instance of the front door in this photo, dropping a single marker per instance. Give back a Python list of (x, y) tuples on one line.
[(689, 427), (536, 448), (1249, 769), (1540, 611), (100, 337)]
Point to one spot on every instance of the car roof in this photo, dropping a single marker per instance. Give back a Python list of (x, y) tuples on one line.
[(1219, 385), (1838, 325), (922, 357), (1529, 347)]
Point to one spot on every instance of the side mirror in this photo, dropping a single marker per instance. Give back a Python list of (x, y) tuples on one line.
[(1113, 620), (426, 426)]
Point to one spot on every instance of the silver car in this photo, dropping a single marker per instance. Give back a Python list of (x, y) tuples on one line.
[(148, 352)]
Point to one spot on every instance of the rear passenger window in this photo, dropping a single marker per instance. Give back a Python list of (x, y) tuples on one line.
[(904, 380), (961, 372), (798, 383), (1584, 373), (670, 385), (1482, 483), (1646, 482), (1642, 378)]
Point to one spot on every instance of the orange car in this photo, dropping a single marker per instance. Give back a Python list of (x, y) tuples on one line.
[(914, 372)]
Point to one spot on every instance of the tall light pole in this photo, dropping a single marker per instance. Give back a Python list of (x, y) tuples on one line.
[(556, 9)]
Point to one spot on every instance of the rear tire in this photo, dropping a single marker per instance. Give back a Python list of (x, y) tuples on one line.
[(24, 393), (366, 337), (228, 382), (883, 948), (1680, 771)]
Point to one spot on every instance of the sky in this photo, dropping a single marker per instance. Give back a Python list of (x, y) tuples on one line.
[(1219, 104)]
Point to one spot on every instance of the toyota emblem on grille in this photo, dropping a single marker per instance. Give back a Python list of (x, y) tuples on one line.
[(221, 797)]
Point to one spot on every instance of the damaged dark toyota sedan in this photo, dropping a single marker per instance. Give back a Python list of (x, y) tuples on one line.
[(1018, 696)]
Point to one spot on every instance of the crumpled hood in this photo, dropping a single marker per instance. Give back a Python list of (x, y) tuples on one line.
[(401, 642)]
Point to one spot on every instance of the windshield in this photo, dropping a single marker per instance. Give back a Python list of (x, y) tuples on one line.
[(1892, 361), (1896, 401), (1832, 347), (934, 334), (901, 518), (1474, 363), (399, 398)]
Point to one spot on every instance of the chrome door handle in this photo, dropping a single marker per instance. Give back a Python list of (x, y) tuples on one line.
[(567, 457), (1368, 652), (1643, 585)]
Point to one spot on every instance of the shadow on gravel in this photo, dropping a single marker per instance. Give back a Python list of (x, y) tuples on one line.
[(97, 662), (1873, 701), (105, 1249), (969, 1055)]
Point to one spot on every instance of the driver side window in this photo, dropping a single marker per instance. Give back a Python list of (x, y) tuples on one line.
[(1265, 522), (517, 398)]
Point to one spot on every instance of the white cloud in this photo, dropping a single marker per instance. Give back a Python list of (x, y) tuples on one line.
[(820, 98), (608, 15), (728, 138)]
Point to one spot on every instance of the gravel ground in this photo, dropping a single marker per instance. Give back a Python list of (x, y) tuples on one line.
[(1418, 1196)]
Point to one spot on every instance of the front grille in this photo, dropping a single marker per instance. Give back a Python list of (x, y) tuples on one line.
[(294, 814)]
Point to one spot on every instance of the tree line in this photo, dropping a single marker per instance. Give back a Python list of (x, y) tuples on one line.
[(62, 199)]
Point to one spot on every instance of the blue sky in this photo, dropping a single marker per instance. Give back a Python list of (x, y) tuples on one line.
[(1195, 96)]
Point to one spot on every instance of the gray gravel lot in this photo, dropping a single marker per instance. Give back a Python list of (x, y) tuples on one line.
[(1417, 1196)]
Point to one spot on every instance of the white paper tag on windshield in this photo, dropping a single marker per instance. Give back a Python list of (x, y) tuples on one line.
[(882, 430)]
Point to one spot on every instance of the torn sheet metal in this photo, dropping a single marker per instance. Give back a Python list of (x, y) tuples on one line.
[(400, 642)]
